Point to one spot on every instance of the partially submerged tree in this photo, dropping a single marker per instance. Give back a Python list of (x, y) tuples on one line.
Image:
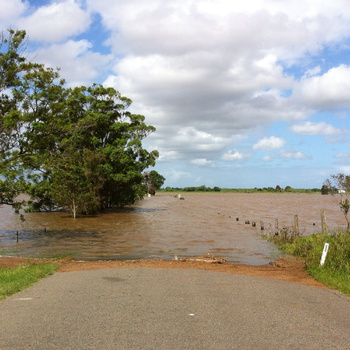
[(67, 147), (340, 185), (153, 180), (325, 189)]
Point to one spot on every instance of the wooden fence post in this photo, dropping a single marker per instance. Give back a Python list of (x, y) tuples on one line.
[(276, 227), (324, 222), (296, 225)]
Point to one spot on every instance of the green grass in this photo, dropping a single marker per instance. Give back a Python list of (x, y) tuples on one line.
[(337, 280), (17, 279), (335, 273)]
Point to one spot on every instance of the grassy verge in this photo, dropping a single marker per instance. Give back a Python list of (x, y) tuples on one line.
[(14, 280), (335, 273)]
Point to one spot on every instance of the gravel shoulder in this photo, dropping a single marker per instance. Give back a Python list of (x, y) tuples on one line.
[(287, 269)]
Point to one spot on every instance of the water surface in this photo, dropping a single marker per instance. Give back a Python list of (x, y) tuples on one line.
[(164, 226)]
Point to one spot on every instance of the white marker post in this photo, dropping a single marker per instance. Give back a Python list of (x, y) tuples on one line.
[(324, 254)]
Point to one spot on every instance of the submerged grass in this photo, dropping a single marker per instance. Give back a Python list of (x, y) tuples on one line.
[(335, 273), (14, 280)]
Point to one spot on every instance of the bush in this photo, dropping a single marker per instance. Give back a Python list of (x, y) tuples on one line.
[(335, 273)]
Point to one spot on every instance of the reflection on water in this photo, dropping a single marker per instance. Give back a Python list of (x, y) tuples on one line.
[(163, 226)]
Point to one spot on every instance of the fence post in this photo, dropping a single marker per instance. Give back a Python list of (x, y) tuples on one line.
[(296, 225), (276, 227), (324, 222)]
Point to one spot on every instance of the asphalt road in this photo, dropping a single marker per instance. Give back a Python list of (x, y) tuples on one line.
[(149, 308)]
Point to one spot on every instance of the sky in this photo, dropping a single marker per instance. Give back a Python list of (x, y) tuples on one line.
[(243, 94)]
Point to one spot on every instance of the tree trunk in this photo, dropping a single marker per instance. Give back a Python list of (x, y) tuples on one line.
[(74, 209)]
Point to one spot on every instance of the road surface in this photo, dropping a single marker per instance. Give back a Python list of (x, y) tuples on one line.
[(150, 308)]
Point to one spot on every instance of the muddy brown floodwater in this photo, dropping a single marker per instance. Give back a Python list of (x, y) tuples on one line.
[(164, 226)]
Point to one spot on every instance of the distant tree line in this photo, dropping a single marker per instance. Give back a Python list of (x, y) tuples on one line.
[(192, 189), (240, 190), (286, 189)]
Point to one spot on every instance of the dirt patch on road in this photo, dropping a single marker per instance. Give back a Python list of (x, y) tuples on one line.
[(285, 269)]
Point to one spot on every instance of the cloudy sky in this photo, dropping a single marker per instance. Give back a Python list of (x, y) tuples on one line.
[(252, 93)]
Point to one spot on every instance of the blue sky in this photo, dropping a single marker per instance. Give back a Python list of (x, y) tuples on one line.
[(243, 94)]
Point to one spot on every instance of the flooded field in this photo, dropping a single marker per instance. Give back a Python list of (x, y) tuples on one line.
[(163, 227)]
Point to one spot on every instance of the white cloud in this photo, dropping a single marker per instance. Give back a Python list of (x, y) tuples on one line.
[(56, 22), (344, 169), (216, 63), (11, 11), (190, 91), (312, 72), (188, 143), (330, 90), (224, 84), (203, 162), (289, 29), (234, 155), (271, 143), (200, 140), (343, 155), (176, 175), (268, 158), (292, 154), (167, 156), (321, 128), (78, 63)]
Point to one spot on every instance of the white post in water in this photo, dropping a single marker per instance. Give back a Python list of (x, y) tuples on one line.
[(324, 254)]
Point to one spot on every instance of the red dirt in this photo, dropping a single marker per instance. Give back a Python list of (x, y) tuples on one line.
[(285, 269)]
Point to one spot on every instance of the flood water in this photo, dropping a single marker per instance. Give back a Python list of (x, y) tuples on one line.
[(164, 226)]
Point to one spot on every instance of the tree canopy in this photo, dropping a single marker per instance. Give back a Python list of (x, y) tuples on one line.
[(340, 184), (153, 180), (66, 147)]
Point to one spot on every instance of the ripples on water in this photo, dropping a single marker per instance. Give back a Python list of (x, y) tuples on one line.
[(163, 226)]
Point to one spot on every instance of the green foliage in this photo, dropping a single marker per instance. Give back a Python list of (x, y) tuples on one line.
[(335, 273), (239, 190), (67, 147), (193, 189), (337, 280), (325, 190), (10, 57), (340, 185), (15, 280), (153, 180)]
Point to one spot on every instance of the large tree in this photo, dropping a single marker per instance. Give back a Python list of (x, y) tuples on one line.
[(73, 147)]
